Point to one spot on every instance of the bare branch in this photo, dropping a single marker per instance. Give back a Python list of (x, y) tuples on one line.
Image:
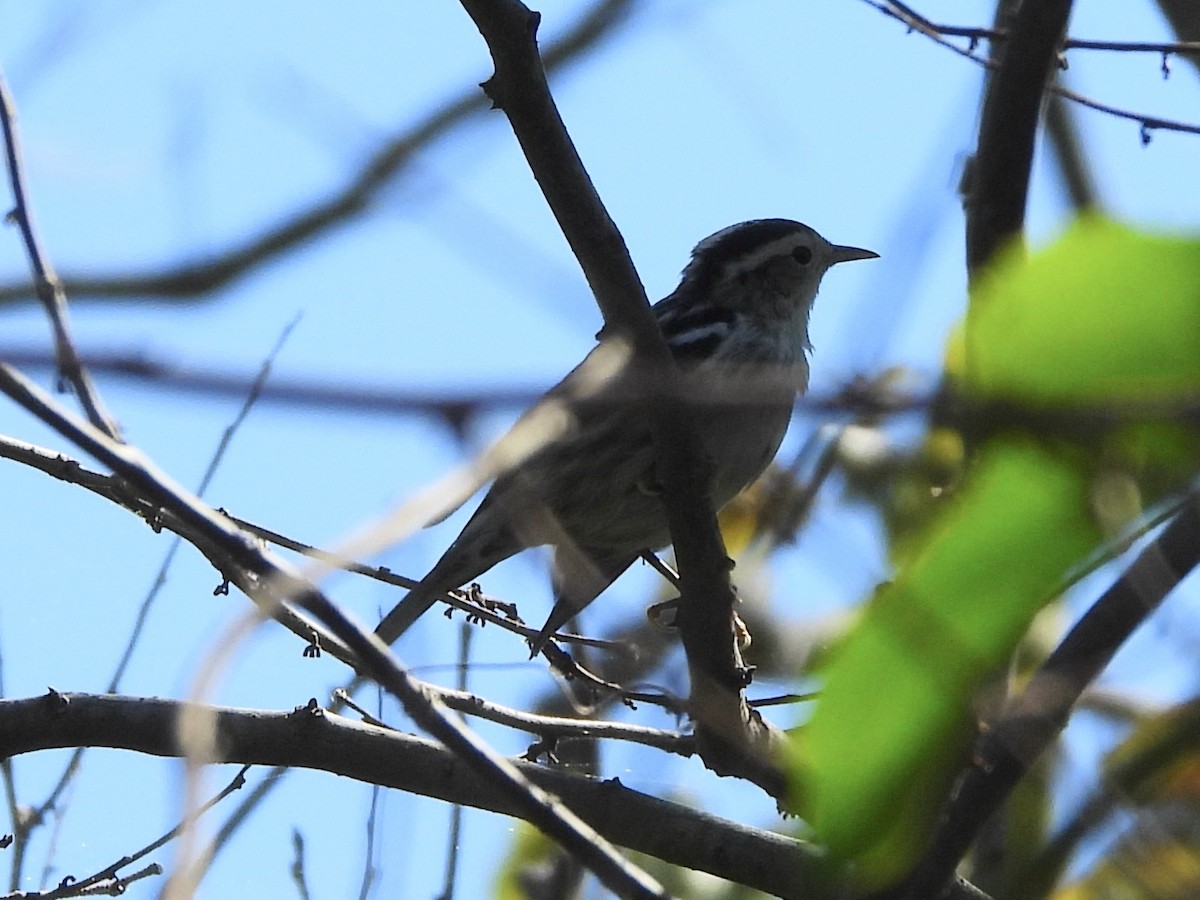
[(478, 607), (902, 12), (551, 728), (315, 739), (734, 739), (193, 278), (270, 581), (998, 183), (936, 33), (46, 284), (1035, 717)]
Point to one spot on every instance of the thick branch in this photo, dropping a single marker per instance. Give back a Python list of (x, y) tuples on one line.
[(314, 739), (999, 180), (519, 89)]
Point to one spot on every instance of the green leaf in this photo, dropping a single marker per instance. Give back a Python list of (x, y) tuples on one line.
[(899, 690), (1104, 318), (1104, 314)]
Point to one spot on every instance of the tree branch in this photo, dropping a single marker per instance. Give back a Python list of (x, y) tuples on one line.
[(46, 283), (270, 581), (1036, 716), (312, 738), (192, 278), (734, 739), (999, 176), (936, 33)]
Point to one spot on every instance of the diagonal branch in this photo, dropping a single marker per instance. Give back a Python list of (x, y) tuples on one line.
[(192, 278), (1036, 716), (732, 738), (46, 283), (271, 581)]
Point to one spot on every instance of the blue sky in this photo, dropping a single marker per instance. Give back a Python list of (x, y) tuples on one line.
[(154, 132)]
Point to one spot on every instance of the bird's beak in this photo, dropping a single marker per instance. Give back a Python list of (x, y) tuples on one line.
[(846, 254)]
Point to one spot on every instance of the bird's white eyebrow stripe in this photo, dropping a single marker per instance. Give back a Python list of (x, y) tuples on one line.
[(752, 260), (731, 243)]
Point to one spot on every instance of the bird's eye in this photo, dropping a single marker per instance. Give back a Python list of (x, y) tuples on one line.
[(802, 255)]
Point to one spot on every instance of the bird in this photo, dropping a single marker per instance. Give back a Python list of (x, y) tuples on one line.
[(737, 328)]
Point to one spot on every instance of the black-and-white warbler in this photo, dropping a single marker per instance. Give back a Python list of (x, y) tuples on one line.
[(737, 326)]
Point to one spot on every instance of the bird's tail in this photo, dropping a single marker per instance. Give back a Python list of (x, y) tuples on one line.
[(484, 542), (405, 613)]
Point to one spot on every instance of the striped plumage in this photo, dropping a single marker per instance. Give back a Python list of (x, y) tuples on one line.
[(737, 325)]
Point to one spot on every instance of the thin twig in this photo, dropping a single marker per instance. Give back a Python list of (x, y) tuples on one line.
[(160, 578), (371, 846), (454, 836), (106, 881), (477, 606), (236, 784), (322, 215), (250, 398), (299, 878), (904, 13), (544, 726), (46, 284), (936, 33), (16, 810), (271, 580)]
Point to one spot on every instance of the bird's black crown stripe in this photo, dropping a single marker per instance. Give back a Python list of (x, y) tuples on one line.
[(716, 253), (738, 241)]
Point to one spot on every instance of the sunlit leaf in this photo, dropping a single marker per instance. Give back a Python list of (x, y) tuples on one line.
[(899, 689), (1104, 314), (1105, 321)]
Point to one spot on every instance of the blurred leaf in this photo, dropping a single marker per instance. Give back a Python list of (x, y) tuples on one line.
[(532, 862), (1104, 320), (741, 518), (1104, 314), (905, 484), (897, 693), (1160, 760), (1157, 859)]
